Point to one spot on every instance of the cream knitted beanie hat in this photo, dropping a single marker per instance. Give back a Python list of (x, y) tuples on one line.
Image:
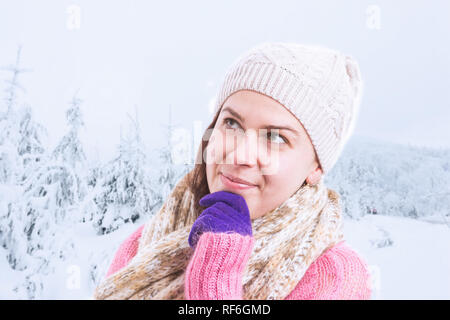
[(320, 86)]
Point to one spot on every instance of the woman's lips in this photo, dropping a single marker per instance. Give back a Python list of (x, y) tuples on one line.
[(233, 184)]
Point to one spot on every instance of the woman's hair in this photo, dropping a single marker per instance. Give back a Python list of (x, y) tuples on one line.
[(199, 181)]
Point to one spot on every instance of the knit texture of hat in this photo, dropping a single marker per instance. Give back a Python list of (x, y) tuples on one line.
[(322, 87)]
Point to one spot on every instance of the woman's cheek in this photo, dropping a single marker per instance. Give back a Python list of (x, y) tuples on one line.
[(215, 150), (211, 154), (271, 162)]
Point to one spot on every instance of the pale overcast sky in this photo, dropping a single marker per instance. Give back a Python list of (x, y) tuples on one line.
[(156, 54)]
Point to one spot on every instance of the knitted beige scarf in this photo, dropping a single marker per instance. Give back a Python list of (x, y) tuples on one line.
[(287, 240)]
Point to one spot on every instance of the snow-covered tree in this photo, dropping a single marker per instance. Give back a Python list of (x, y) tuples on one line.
[(21, 145), (30, 146), (36, 236), (70, 153), (11, 94), (167, 173), (126, 194), (21, 150)]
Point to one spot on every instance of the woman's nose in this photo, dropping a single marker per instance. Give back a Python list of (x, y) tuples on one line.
[(245, 149)]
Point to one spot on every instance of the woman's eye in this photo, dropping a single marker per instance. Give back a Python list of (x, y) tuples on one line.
[(226, 121), (284, 140)]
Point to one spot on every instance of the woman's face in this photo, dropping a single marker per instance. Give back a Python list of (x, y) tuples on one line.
[(245, 144)]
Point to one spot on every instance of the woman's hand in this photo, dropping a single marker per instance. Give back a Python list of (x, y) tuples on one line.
[(227, 212)]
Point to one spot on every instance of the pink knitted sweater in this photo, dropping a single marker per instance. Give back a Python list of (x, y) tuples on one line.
[(217, 265)]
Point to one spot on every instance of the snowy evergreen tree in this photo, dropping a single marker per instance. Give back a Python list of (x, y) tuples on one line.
[(21, 143), (70, 152), (166, 179), (166, 172), (60, 181), (45, 211), (126, 194), (11, 94), (30, 146), (21, 150)]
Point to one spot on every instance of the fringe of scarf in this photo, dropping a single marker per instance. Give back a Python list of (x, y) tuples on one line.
[(288, 240)]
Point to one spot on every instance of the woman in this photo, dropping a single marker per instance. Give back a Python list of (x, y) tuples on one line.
[(253, 219)]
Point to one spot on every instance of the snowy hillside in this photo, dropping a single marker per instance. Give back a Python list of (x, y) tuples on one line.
[(393, 179), (407, 258)]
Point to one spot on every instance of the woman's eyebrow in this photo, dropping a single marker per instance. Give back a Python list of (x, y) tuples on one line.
[(237, 115), (234, 113)]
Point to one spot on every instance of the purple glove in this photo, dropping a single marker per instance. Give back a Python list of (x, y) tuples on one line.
[(228, 212)]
